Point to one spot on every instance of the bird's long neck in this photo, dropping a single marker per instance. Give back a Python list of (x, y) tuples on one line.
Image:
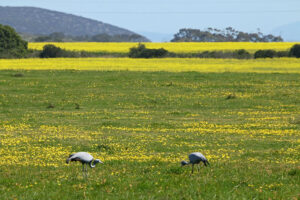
[(92, 164)]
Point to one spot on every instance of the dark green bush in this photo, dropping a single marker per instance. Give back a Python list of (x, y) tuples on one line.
[(282, 54), (142, 52), (265, 54), (210, 54), (238, 54), (51, 51), (241, 54), (295, 51)]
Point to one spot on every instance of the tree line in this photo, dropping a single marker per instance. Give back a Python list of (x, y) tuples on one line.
[(229, 34)]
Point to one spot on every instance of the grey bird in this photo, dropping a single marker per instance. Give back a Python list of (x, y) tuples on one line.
[(195, 158), (85, 158)]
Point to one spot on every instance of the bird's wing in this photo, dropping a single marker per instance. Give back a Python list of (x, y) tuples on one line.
[(80, 156), (197, 156), (84, 156)]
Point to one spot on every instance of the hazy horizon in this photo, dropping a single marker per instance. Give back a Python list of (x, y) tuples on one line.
[(163, 19)]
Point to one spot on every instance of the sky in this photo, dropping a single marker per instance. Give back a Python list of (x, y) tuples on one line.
[(164, 18)]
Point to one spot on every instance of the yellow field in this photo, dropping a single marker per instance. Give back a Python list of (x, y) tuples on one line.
[(283, 65), (184, 47)]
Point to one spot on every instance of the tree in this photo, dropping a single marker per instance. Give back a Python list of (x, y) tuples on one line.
[(227, 35), (11, 44)]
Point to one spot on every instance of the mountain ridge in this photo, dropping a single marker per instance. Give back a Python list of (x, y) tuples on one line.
[(290, 32), (40, 21)]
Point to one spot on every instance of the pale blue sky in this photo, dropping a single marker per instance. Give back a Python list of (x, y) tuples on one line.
[(168, 16)]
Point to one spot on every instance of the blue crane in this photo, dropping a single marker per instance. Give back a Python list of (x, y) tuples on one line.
[(85, 158), (195, 158)]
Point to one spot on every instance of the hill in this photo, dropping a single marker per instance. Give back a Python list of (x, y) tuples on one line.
[(37, 21), (290, 32)]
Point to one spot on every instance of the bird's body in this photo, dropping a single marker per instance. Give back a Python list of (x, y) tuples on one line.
[(82, 157), (85, 158), (195, 158)]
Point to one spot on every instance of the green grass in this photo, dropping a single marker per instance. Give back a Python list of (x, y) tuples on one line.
[(252, 140)]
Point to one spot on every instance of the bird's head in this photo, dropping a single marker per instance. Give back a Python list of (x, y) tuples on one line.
[(96, 161), (183, 163)]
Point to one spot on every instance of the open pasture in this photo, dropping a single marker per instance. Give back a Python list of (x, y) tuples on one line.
[(176, 47), (141, 125)]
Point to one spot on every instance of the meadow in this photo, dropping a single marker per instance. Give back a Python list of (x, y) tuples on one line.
[(175, 47), (142, 117)]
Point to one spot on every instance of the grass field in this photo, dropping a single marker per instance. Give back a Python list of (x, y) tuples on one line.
[(141, 125), (176, 47)]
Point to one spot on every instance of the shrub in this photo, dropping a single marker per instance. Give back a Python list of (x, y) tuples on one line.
[(50, 106), (211, 54), (282, 54), (265, 54), (18, 75), (231, 96), (295, 51), (51, 51), (206, 54), (241, 54), (142, 52)]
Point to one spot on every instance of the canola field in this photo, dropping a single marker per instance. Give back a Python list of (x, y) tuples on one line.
[(142, 117), (278, 65), (176, 47)]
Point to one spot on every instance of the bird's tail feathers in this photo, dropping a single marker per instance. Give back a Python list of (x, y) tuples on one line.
[(69, 158), (183, 163)]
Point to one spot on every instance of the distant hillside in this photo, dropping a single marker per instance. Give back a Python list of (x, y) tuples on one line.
[(158, 37), (290, 32), (37, 21)]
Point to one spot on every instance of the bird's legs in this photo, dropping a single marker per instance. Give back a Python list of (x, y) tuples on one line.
[(198, 167), (83, 170), (86, 171), (192, 168)]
